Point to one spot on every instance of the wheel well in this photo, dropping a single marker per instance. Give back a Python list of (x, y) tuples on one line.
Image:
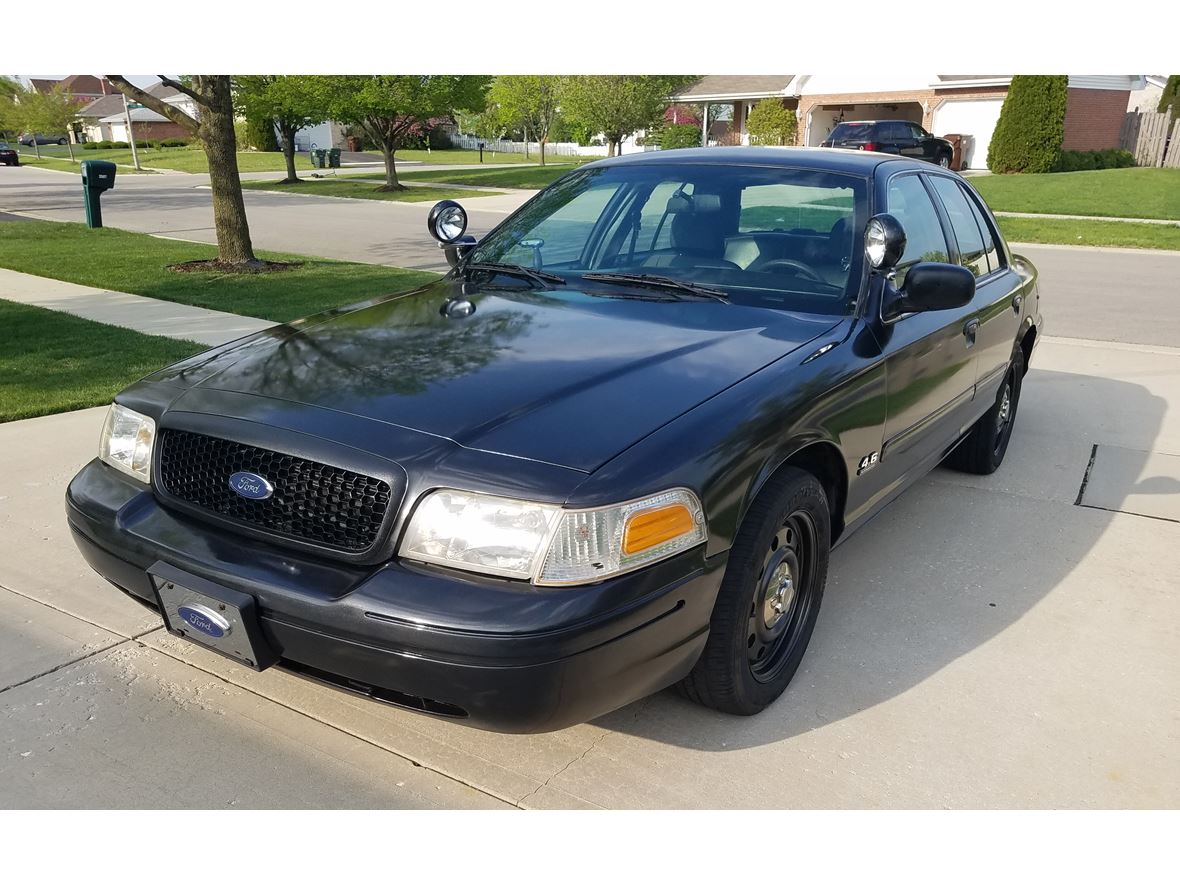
[(824, 461), (1026, 346)]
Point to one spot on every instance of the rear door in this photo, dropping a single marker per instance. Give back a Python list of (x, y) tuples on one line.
[(927, 144), (930, 358), (996, 305), (901, 136)]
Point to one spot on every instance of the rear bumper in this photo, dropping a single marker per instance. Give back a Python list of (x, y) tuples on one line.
[(494, 654)]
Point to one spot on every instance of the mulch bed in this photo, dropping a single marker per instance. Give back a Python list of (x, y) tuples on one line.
[(214, 265)]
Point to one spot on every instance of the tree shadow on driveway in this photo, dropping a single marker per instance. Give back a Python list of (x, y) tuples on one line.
[(947, 567)]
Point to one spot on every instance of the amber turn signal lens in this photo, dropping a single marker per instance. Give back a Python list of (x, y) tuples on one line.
[(649, 528)]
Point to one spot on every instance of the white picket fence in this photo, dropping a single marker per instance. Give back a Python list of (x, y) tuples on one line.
[(552, 149)]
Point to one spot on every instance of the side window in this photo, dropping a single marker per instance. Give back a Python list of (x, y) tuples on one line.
[(916, 131), (989, 241), (972, 252), (910, 204)]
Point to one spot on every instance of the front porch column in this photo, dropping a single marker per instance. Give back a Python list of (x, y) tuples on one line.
[(705, 126)]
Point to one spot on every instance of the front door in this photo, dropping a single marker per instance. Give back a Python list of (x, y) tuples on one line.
[(931, 357)]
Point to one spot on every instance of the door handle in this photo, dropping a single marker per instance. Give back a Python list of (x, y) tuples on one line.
[(1016, 302), (970, 329)]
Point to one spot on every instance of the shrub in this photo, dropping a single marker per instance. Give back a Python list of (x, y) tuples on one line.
[(772, 122), (683, 135), (1031, 127), (90, 146), (260, 134), (1080, 161), (174, 142)]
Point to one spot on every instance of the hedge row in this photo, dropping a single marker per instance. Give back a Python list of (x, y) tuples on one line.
[(1028, 135), (162, 143), (1080, 161)]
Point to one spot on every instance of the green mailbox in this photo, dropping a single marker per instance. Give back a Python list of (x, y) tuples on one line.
[(97, 176)]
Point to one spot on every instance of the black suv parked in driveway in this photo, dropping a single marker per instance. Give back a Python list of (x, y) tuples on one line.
[(892, 137)]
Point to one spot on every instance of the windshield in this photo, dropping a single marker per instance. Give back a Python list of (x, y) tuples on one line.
[(769, 237)]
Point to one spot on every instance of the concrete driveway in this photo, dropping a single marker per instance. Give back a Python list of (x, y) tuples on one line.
[(985, 642)]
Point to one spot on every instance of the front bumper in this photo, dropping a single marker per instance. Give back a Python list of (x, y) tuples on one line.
[(493, 653)]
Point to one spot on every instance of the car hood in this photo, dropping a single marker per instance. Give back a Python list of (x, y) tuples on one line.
[(558, 375)]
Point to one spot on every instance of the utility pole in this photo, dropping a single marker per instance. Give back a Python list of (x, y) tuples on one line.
[(130, 133)]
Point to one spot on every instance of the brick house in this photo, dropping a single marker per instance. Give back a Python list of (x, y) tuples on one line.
[(105, 119), (967, 104)]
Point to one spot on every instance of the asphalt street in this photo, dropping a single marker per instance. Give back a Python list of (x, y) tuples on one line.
[(986, 642)]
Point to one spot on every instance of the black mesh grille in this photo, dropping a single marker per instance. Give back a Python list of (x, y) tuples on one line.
[(312, 502)]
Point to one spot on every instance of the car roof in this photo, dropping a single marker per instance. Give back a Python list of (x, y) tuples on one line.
[(818, 159)]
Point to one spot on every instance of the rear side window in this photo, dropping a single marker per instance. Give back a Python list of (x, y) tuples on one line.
[(852, 132), (910, 204), (972, 252), (989, 241)]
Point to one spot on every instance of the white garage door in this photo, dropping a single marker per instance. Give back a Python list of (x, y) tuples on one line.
[(973, 117)]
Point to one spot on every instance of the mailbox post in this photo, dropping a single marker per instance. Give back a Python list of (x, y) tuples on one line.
[(97, 176)]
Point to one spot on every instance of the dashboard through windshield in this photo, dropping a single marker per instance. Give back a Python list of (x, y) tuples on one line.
[(767, 236)]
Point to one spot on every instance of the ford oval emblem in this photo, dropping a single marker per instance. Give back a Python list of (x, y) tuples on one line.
[(204, 620), (251, 485)]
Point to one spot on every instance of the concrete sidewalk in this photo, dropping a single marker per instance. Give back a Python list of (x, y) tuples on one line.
[(1048, 217), (148, 315)]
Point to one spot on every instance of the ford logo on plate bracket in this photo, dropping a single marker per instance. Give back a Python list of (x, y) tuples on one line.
[(204, 619), (251, 485)]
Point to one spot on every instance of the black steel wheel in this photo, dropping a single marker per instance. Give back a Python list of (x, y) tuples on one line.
[(983, 448), (769, 598)]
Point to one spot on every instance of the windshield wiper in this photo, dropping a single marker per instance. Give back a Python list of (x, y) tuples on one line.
[(654, 281), (516, 270)]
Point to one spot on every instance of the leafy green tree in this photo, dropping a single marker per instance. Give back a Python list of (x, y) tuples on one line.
[(679, 135), (1028, 135), (214, 127), (50, 113), (1170, 98), (290, 102), (395, 111), (619, 104), (530, 101), (772, 122), (10, 91)]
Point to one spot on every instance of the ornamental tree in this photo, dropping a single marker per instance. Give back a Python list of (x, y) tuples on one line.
[(772, 122), (1170, 97), (214, 128), (618, 104), (1028, 135), (528, 101), (395, 111), (292, 102)]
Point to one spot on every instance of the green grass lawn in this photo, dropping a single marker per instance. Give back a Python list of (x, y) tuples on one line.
[(1091, 233), (136, 263), (523, 177), (65, 164), (365, 189), (463, 157), (1120, 193), (54, 362)]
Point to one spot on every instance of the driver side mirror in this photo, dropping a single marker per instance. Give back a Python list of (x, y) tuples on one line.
[(929, 285)]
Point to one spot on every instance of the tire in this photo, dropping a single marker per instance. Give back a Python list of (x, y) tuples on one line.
[(982, 449), (944, 161), (757, 636), (61, 141)]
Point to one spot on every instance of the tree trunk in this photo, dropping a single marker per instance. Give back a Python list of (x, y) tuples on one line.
[(217, 135), (288, 133), (391, 182), (526, 142), (36, 146), (70, 147), (541, 145)]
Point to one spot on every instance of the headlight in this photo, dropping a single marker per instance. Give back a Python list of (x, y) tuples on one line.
[(126, 442), (548, 544)]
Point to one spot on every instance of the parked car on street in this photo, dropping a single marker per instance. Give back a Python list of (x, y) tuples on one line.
[(892, 137), (8, 156), (28, 138), (608, 452)]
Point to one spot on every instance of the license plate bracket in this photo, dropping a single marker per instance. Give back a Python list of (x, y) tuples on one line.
[(216, 617)]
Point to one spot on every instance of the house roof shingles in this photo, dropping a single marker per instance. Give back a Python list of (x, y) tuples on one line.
[(727, 86), (102, 107)]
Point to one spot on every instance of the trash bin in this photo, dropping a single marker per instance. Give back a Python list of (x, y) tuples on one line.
[(962, 150), (317, 159), (97, 176), (334, 158)]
